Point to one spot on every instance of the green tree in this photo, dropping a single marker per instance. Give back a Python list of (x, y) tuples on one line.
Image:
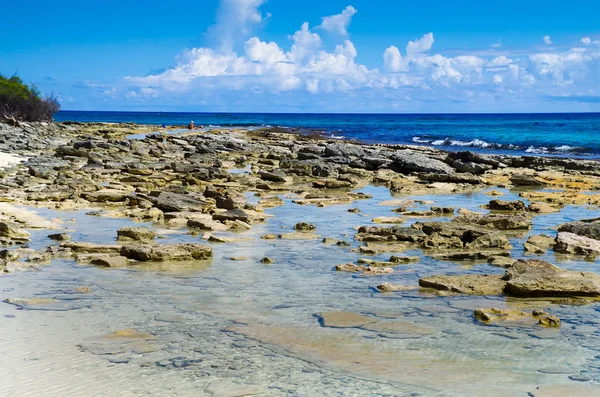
[(20, 102)]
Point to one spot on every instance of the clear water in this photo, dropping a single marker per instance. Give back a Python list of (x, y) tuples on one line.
[(255, 324), (573, 135)]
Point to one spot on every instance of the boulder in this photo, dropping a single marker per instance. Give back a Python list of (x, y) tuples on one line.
[(175, 202), (525, 180), (167, 252), (538, 244), (13, 231), (135, 233), (59, 237), (110, 261), (493, 240), (503, 205), (304, 227), (247, 216), (272, 176), (408, 160), (530, 278), (570, 243), (587, 228), (343, 150), (472, 284)]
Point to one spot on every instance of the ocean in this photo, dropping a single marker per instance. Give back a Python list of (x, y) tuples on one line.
[(564, 134)]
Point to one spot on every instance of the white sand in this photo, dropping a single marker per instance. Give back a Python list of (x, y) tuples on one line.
[(8, 160)]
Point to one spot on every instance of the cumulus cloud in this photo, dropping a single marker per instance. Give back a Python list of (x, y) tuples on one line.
[(339, 23), (547, 40), (586, 41), (307, 66), (392, 59), (235, 19), (422, 45)]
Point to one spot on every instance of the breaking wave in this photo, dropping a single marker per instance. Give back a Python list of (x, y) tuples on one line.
[(481, 144)]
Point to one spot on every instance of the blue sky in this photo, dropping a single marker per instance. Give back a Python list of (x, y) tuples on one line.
[(337, 56)]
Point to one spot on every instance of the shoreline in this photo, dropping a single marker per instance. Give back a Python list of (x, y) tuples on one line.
[(260, 208)]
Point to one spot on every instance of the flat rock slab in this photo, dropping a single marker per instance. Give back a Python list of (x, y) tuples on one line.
[(472, 284), (539, 278), (570, 243), (47, 304), (344, 319), (91, 248), (167, 252), (398, 327)]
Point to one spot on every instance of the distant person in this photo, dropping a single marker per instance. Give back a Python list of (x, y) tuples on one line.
[(164, 126), (191, 125)]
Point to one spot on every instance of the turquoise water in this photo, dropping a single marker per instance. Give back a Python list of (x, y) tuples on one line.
[(572, 135), (255, 324)]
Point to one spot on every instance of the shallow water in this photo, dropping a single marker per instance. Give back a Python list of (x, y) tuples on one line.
[(254, 325)]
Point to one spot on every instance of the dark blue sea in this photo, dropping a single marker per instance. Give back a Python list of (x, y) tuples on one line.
[(564, 134)]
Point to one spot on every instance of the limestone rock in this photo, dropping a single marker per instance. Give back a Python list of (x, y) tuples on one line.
[(138, 233), (538, 278), (472, 284), (107, 195), (304, 227), (516, 317), (167, 252), (12, 231), (502, 205), (408, 160), (111, 261), (570, 243)]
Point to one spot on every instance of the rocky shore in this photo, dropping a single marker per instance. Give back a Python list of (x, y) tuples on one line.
[(218, 184)]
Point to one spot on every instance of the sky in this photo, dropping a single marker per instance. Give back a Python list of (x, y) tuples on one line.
[(350, 56)]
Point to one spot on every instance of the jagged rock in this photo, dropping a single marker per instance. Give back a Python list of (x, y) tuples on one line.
[(491, 240), (530, 278), (538, 244), (501, 261), (412, 161), (586, 228), (59, 237), (304, 227), (343, 150), (404, 259), (471, 167), (349, 267), (11, 230), (267, 260), (272, 176), (442, 242), (472, 284), (525, 180), (503, 205), (247, 216), (136, 233), (107, 195), (516, 317), (570, 243), (167, 252), (174, 202)]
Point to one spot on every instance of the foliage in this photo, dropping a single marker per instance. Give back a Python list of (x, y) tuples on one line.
[(20, 102)]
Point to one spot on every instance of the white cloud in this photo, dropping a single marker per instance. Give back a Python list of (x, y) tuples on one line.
[(339, 23), (308, 67), (234, 20), (392, 59), (586, 41), (422, 45), (547, 40), (497, 44), (305, 44)]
